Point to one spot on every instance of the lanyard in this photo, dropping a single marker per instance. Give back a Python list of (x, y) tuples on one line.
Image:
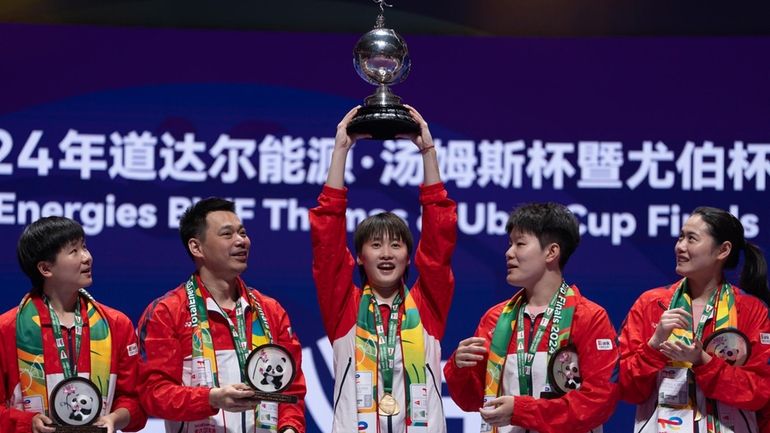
[(708, 309), (389, 342), (239, 334), (708, 312), (525, 358), (70, 369)]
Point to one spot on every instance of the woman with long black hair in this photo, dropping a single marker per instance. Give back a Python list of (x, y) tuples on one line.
[(694, 354)]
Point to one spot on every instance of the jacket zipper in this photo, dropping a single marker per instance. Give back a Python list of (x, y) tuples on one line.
[(344, 378), (435, 387)]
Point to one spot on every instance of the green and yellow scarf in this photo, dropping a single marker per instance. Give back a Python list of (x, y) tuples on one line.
[(30, 350), (561, 309), (368, 350), (203, 343), (721, 307)]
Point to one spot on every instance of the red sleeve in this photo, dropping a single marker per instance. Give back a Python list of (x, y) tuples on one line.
[(594, 402), (290, 415), (11, 419), (14, 420), (161, 391), (744, 387), (435, 284), (333, 264), (640, 363), (125, 349), (466, 385)]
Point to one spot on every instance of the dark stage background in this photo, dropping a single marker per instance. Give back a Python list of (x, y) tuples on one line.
[(122, 127)]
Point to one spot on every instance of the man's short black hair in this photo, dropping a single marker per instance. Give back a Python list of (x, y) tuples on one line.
[(41, 241), (192, 224), (549, 223)]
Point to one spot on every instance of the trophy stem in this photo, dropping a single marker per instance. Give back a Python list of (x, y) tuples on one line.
[(382, 97)]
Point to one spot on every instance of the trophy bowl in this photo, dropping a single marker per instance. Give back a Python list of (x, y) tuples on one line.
[(381, 58)]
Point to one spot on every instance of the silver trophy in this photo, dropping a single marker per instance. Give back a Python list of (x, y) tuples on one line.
[(381, 58)]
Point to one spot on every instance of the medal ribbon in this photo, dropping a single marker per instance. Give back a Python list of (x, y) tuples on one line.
[(371, 344), (560, 308), (70, 369), (524, 359), (30, 353), (721, 305), (203, 344), (388, 343)]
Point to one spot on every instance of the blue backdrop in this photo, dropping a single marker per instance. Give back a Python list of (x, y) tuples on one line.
[(122, 128)]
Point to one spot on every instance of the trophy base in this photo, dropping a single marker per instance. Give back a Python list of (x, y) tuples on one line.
[(279, 398), (78, 428), (383, 122)]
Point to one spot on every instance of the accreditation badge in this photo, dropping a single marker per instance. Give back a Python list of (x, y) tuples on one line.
[(674, 387), (270, 369), (364, 390), (729, 344), (486, 427), (419, 404), (75, 404), (564, 370)]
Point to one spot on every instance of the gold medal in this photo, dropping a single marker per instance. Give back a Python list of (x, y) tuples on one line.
[(387, 406), (698, 414)]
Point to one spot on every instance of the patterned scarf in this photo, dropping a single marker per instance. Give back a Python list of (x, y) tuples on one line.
[(721, 307), (30, 351), (504, 329), (204, 355), (367, 356)]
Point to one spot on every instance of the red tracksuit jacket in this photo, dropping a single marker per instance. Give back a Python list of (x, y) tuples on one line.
[(581, 411), (124, 363), (165, 340), (746, 387)]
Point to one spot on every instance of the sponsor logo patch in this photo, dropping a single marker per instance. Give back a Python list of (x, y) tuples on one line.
[(132, 349), (603, 344)]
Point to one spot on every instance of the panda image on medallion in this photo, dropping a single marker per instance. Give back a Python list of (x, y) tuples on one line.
[(729, 344), (75, 405), (564, 371), (270, 369), (80, 405), (571, 373)]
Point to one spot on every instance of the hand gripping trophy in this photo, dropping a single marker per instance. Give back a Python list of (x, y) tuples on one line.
[(381, 58)]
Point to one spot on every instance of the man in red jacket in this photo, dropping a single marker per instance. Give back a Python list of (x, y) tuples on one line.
[(541, 361), (194, 340)]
